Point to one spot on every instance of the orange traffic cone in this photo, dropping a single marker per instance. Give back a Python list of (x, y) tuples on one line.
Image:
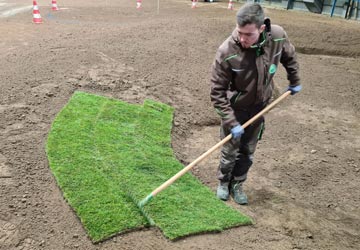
[(231, 5), (36, 13), (138, 4), (54, 5), (193, 4)]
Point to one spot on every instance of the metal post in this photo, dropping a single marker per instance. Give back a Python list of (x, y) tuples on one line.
[(333, 8), (290, 4), (347, 9)]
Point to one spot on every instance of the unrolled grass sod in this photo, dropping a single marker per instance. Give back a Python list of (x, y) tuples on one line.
[(107, 154)]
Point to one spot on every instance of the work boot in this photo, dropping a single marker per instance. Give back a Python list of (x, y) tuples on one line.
[(223, 191), (238, 194)]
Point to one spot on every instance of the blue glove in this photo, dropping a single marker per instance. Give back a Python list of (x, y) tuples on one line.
[(294, 89), (237, 132)]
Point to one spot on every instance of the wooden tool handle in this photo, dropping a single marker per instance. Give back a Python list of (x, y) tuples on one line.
[(219, 144)]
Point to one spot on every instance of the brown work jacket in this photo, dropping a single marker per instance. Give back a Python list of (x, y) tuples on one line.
[(243, 78)]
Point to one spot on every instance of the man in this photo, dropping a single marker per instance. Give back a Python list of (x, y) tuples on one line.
[(242, 85)]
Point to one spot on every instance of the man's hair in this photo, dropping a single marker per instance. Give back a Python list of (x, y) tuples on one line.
[(250, 13)]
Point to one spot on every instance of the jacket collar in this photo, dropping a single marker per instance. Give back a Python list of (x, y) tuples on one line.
[(263, 39)]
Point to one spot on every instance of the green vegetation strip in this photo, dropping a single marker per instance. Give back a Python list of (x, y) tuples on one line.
[(107, 155)]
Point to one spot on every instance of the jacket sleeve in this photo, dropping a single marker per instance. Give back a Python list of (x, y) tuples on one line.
[(289, 61), (220, 81)]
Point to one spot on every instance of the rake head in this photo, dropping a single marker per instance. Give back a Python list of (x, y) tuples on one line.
[(140, 205)]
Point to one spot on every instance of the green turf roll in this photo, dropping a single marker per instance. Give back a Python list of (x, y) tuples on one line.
[(100, 150)]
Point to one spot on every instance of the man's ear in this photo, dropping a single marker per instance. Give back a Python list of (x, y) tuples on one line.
[(262, 28)]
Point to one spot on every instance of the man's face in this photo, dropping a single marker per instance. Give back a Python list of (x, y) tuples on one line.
[(249, 34)]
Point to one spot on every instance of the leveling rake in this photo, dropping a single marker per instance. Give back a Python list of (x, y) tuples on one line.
[(166, 184)]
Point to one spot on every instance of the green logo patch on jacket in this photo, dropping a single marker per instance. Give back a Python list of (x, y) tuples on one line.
[(272, 69)]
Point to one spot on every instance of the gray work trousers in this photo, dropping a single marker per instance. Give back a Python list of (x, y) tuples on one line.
[(237, 156)]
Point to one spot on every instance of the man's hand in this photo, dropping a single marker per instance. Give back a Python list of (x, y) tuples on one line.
[(237, 132), (294, 89)]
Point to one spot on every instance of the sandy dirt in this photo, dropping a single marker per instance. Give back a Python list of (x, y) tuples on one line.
[(304, 186)]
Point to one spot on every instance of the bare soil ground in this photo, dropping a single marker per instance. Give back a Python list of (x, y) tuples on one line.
[(304, 186)]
